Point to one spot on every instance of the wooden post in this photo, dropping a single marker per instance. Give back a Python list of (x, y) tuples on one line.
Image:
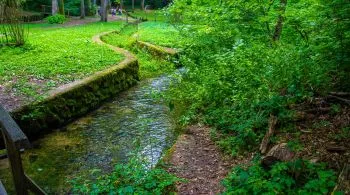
[(16, 167), (15, 140)]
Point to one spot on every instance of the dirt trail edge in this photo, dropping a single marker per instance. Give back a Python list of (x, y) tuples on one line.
[(196, 159)]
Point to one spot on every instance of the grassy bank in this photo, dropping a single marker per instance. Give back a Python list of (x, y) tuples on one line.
[(54, 56)]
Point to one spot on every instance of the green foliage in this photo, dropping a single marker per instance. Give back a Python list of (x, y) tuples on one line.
[(56, 19), (133, 177), (296, 177), (237, 76)]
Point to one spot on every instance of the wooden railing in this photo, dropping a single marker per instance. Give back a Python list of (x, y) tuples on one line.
[(15, 140)]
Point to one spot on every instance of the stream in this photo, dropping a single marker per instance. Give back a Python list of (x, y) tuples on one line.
[(135, 119)]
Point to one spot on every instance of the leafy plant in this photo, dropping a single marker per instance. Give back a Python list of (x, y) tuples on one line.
[(238, 74), (133, 177), (296, 177), (56, 19)]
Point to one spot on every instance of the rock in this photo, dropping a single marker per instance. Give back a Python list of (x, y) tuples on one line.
[(279, 152)]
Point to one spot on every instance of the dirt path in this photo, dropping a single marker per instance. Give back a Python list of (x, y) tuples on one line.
[(197, 159)]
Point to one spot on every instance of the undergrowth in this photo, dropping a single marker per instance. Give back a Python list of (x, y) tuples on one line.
[(296, 177), (239, 73), (133, 177)]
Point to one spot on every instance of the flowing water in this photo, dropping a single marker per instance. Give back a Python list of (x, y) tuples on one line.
[(94, 143)]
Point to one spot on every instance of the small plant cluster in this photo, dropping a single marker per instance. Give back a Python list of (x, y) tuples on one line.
[(56, 19), (133, 177), (295, 177)]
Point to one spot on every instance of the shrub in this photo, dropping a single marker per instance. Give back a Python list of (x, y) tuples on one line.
[(296, 177), (56, 19)]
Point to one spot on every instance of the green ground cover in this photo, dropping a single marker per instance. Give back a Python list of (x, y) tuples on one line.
[(55, 56), (149, 66), (149, 15), (160, 33)]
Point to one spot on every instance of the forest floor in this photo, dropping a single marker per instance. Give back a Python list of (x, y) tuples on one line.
[(320, 134), (196, 158)]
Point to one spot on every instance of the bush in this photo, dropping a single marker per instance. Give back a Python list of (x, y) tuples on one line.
[(56, 19), (296, 177)]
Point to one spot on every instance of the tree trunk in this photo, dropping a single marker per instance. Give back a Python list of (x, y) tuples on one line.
[(133, 4), (82, 9), (279, 25), (54, 7), (94, 6), (61, 5), (103, 10), (88, 8), (143, 4), (121, 4)]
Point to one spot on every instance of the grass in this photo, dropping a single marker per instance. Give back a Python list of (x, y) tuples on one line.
[(160, 33), (149, 66), (149, 15), (55, 56)]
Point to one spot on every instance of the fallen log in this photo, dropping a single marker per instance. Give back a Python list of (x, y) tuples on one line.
[(265, 142)]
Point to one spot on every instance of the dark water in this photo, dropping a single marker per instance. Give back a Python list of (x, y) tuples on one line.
[(137, 118)]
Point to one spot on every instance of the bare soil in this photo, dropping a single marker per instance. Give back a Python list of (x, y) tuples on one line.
[(196, 158)]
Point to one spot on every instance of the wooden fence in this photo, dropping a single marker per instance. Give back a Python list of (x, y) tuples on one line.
[(15, 140)]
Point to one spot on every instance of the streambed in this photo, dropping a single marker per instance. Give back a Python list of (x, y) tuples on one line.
[(94, 143)]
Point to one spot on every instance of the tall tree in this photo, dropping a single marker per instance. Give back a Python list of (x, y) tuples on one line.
[(94, 5), (103, 10), (82, 9), (54, 7), (279, 25), (88, 8), (143, 4), (133, 4), (61, 7)]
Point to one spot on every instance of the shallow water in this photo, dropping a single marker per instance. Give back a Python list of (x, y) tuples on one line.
[(94, 143)]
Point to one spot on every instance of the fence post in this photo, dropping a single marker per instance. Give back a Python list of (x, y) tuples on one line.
[(16, 166)]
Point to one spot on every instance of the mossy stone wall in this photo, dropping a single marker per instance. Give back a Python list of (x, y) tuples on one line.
[(76, 99)]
